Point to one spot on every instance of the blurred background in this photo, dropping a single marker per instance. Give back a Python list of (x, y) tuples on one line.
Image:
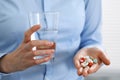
[(111, 40)]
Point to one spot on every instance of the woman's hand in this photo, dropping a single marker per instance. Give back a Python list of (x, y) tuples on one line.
[(93, 52), (23, 56)]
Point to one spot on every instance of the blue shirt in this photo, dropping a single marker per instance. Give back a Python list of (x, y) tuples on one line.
[(79, 27)]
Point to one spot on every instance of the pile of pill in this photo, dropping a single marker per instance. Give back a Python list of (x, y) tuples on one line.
[(87, 61)]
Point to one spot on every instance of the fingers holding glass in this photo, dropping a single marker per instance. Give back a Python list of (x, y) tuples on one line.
[(42, 60)]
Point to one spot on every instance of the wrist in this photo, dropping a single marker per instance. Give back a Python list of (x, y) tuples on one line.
[(3, 67)]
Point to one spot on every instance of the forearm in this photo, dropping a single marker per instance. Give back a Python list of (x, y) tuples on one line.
[(6, 64)]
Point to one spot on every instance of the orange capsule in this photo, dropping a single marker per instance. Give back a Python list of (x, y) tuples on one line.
[(90, 64)]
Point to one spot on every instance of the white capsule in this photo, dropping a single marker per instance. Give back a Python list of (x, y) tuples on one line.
[(84, 64)]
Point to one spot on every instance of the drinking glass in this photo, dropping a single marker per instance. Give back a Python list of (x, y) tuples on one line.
[(48, 30)]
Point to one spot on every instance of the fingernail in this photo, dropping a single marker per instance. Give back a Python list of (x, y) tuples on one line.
[(50, 43), (52, 50)]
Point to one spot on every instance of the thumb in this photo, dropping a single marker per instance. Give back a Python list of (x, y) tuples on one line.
[(104, 58), (29, 32)]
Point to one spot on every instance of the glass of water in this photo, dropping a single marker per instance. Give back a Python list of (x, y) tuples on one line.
[(49, 28)]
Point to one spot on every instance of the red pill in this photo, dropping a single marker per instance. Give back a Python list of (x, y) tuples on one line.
[(82, 60), (90, 64)]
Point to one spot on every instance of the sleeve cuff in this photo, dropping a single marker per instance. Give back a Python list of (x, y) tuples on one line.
[(0, 77), (2, 54), (4, 74)]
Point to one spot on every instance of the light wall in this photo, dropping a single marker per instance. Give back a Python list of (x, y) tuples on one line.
[(111, 35), (111, 31)]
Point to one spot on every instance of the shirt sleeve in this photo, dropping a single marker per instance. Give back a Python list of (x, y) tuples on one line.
[(91, 34)]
